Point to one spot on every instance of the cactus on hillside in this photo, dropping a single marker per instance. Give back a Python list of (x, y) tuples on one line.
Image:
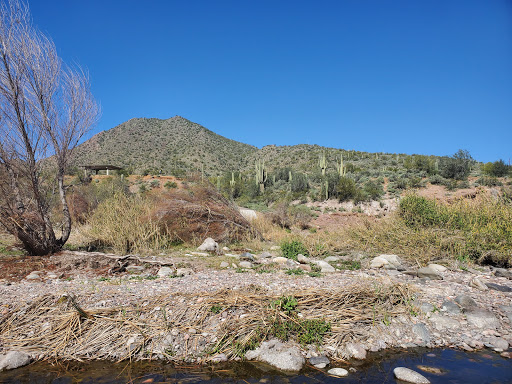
[(342, 170), (261, 174), (322, 163)]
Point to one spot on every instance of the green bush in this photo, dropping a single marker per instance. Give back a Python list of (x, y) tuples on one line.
[(293, 248)]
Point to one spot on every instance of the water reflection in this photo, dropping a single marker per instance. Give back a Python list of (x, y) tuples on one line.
[(439, 366)]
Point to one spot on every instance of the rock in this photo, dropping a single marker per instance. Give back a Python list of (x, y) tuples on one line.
[(245, 264), (302, 259), (497, 287), (136, 269), (280, 355), (246, 256), (209, 245), (165, 271), (496, 342), (393, 260), (280, 260), (444, 322), (478, 284), (506, 355), (13, 360), (378, 262), (197, 254), (438, 268), (319, 360), (33, 275), (450, 307), (356, 351), (265, 255), (325, 267), (502, 272), (331, 258), (221, 357), (305, 267), (224, 264), (421, 331), (248, 214), (429, 273), (426, 307), (434, 370), (406, 374), (466, 302), (52, 276), (184, 272), (340, 372), (275, 248), (482, 318)]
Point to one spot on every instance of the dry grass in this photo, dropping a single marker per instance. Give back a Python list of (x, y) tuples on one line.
[(57, 327)]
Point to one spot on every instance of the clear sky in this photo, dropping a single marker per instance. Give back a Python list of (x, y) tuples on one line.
[(411, 76)]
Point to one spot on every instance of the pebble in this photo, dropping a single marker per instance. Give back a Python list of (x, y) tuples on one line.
[(338, 372)]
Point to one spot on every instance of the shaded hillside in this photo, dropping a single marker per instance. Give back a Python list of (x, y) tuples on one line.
[(172, 146)]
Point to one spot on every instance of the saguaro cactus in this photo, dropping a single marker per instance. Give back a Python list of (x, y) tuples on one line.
[(342, 170), (261, 175), (322, 162)]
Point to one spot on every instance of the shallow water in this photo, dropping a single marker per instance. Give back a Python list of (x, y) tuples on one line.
[(458, 367)]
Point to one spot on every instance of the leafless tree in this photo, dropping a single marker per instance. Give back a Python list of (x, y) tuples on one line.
[(45, 108)]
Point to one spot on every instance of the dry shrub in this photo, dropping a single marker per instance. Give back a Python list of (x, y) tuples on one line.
[(124, 224), (197, 212), (79, 207), (287, 216)]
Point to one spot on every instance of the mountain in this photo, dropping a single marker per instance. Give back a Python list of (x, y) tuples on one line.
[(174, 146)]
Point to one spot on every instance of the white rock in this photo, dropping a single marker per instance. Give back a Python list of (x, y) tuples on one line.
[(184, 272), (280, 260), (282, 356), (302, 259), (209, 245), (224, 264), (394, 260), (356, 351), (478, 284), (438, 268), (14, 359), (331, 258), (248, 214), (338, 372), (325, 267), (165, 271), (245, 264), (378, 262), (406, 374)]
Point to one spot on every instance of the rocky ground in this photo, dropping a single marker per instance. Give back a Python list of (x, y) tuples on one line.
[(469, 308)]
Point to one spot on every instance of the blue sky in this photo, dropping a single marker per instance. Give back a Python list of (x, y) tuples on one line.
[(422, 76)]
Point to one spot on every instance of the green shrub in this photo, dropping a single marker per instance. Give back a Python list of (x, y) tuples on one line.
[(293, 248), (170, 184)]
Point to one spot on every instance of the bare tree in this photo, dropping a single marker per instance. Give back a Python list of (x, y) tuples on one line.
[(45, 108)]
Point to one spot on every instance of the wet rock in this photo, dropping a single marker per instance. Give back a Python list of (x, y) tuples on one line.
[(496, 342), (429, 273), (506, 355), (438, 268), (443, 322), (165, 271), (221, 357), (481, 318), (497, 287), (319, 360), (340, 372), (209, 245), (434, 370), (13, 360), (478, 284), (356, 351), (466, 302), (450, 307), (410, 376), (421, 331), (280, 355)]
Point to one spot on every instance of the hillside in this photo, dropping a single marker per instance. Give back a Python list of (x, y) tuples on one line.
[(173, 146)]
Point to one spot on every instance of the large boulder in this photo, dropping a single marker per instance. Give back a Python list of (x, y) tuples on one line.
[(280, 355), (209, 245)]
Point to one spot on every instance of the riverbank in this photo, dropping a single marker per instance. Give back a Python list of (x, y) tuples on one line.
[(201, 315)]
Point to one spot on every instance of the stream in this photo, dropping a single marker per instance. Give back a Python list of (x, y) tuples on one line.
[(451, 366)]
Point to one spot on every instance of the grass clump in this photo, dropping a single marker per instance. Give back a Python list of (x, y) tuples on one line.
[(291, 249)]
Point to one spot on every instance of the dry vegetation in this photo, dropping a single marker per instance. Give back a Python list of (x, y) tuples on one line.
[(58, 327)]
